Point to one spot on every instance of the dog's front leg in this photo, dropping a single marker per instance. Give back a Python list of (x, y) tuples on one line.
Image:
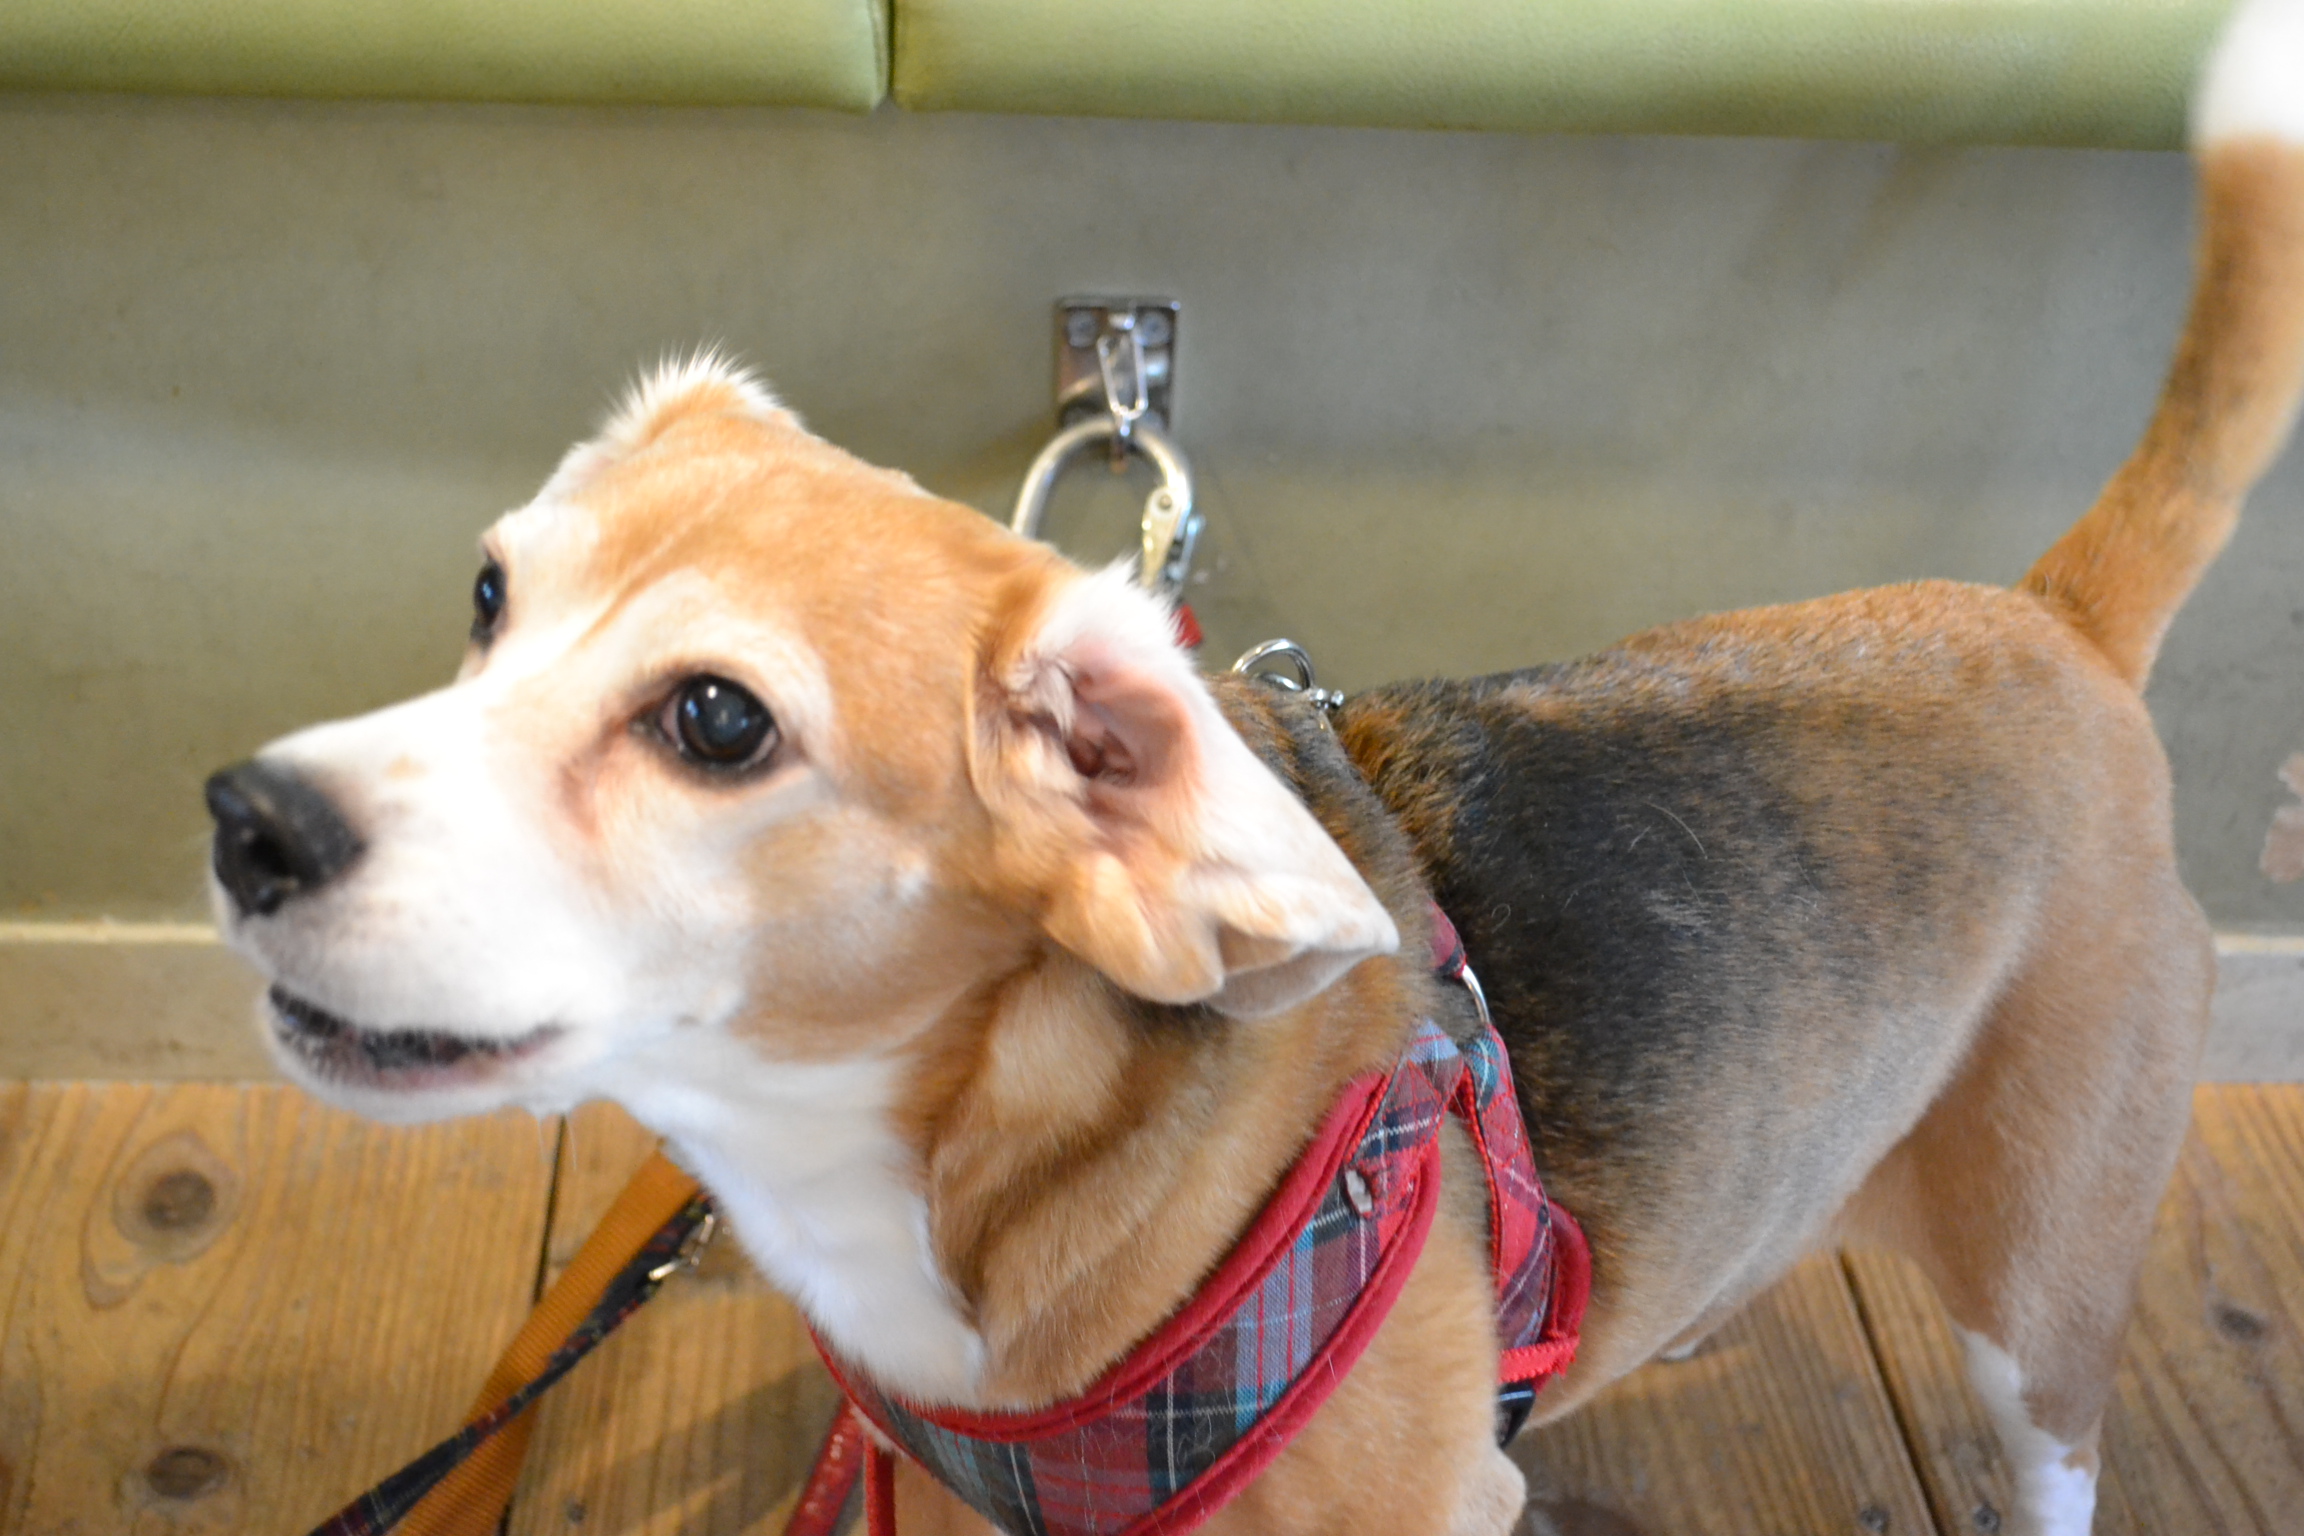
[(1494, 1494), (925, 1508), (1406, 1444)]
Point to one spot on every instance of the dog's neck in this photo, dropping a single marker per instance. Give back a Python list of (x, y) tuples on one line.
[(805, 1162), (1099, 1156), (992, 1216)]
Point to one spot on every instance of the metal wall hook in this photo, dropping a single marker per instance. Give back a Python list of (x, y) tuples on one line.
[(1115, 374), (1098, 340)]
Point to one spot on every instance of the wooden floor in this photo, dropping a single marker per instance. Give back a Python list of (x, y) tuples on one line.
[(226, 1309)]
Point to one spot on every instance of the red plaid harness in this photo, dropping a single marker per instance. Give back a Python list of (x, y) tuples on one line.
[(1196, 1411)]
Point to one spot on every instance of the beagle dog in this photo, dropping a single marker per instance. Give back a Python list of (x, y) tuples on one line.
[(990, 965)]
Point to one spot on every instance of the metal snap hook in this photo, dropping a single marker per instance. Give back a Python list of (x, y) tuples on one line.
[(1170, 527), (1257, 661)]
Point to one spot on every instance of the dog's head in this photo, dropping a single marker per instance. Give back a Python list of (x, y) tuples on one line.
[(758, 743)]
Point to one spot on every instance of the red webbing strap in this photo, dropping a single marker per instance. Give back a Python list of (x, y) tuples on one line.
[(833, 1477), (848, 1450), (879, 1489), (1188, 627)]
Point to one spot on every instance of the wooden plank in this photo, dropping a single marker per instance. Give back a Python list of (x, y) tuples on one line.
[(230, 1309), (701, 1415), (1778, 1424), (2206, 1431)]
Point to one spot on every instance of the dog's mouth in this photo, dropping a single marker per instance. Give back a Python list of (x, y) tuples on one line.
[(334, 1048)]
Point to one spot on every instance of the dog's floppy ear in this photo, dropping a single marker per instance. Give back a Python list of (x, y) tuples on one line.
[(1162, 851)]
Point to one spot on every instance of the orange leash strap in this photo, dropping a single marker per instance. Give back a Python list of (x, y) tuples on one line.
[(471, 1500)]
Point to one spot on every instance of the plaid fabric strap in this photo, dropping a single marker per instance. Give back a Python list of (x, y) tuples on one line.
[(385, 1505), (1536, 1250), (1543, 1268), (1173, 1431)]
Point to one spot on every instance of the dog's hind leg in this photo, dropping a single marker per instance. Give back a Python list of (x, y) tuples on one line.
[(2027, 1191)]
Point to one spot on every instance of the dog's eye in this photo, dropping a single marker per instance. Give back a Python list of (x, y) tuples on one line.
[(487, 601), (715, 724)]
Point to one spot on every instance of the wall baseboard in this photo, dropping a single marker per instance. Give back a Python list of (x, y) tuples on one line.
[(167, 1002), (2258, 1036), (153, 1001)]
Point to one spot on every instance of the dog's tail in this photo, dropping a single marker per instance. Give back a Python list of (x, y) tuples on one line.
[(2123, 570)]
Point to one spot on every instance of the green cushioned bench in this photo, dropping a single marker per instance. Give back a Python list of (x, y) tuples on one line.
[(828, 53), (2107, 72), (2101, 72)]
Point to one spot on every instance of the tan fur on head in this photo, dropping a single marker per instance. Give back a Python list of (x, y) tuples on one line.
[(706, 382)]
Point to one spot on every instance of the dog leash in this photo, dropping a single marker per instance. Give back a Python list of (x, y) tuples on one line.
[(461, 1487)]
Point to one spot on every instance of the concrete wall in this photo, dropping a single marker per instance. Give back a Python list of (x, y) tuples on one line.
[(1459, 402)]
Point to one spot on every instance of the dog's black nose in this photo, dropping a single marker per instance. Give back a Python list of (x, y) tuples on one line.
[(276, 836)]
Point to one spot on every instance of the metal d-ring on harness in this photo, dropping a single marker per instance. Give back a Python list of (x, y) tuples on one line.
[(1257, 662), (1128, 423), (1252, 664)]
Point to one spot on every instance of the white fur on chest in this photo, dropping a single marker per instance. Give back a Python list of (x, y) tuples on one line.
[(819, 1190)]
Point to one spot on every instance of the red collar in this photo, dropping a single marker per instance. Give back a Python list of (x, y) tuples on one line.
[(1168, 1435)]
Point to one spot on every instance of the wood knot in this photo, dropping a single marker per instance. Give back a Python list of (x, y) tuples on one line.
[(2238, 1323), (1873, 1517), (175, 1198), (186, 1472), (176, 1202)]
